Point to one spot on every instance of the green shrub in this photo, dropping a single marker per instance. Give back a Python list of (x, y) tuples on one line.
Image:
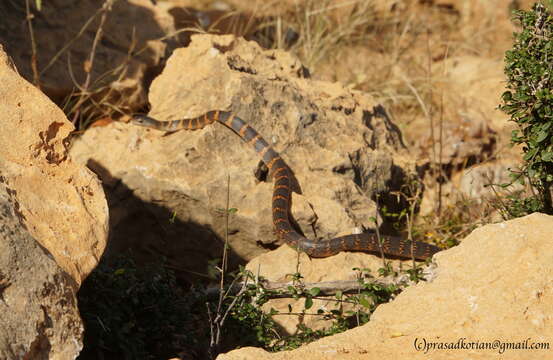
[(529, 102), (132, 313)]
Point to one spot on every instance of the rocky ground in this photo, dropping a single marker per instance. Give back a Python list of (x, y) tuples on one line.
[(359, 97)]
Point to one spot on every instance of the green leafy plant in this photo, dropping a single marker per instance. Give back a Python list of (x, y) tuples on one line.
[(257, 328), (132, 313), (529, 102), (140, 313)]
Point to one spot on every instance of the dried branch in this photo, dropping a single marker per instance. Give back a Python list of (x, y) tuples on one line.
[(327, 288)]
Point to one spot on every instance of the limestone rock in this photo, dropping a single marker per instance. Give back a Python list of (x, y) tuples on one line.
[(216, 21), (469, 128), (474, 131), (341, 146), (63, 35), (496, 285), (474, 182), (137, 37), (39, 315), (61, 203)]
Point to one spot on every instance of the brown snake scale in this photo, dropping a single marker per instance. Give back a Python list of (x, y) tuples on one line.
[(285, 184)]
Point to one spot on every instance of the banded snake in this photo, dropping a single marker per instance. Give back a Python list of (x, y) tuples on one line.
[(285, 184)]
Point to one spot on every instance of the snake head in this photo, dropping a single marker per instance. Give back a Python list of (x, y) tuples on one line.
[(143, 120)]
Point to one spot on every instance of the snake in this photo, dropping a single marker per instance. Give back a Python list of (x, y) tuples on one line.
[(285, 183)]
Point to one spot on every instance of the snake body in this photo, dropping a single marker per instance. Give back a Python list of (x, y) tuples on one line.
[(285, 184)]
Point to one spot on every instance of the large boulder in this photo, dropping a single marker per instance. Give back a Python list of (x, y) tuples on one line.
[(340, 144), (494, 290), (64, 33), (40, 319), (60, 203), (137, 36)]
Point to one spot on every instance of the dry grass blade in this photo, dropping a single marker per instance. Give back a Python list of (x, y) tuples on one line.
[(34, 65), (234, 22), (71, 42), (322, 27), (89, 63)]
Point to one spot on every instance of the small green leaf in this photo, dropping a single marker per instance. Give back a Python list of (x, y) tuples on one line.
[(542, 135), (530, 154), (308, 302), (314, 291), (507, 96), (548, 156), (338, 295), (273, 311), (365, 302)]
